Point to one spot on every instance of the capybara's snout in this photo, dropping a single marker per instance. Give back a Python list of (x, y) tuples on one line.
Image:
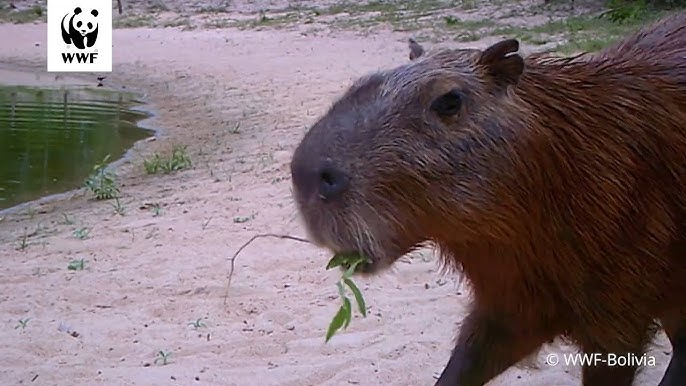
[(315, 180), (331, 183)]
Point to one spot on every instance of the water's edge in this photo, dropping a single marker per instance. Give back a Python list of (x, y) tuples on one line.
[(9, 77)]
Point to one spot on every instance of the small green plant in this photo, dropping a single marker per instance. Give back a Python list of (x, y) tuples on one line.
[(163, 357), (236, 129), (178, 160), (24, 241), (22, 323), (102, 183), (77, 265), (67, 220), (344, 314), (82, 233), (118, 207), (263, 17), (198, 323), (152, 165), (243, 219), (156, 209), (451, 20)]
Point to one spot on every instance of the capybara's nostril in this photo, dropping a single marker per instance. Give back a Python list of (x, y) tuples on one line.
[(332, 183)]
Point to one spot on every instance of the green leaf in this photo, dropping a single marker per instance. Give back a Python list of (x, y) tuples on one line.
[(336, 323), (350, 271), (346, 259), (348, 311), (353, 265), (358, 296), (337, 260), (344, 315), (341, 290)]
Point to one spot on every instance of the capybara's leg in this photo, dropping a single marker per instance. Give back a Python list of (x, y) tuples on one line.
[(676, 370), (675, 327), (615, 374), (487, 345), (603, 375)]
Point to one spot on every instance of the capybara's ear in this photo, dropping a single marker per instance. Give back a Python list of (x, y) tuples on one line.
[(416, 50), (502, 62)]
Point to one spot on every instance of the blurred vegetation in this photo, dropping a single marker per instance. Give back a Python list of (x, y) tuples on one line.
[(9, 13), (631, 11)]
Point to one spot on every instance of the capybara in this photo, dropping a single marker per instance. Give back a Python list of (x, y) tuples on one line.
[(557, 186)]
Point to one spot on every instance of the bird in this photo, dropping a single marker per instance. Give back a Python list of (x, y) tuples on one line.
[(415, 49)]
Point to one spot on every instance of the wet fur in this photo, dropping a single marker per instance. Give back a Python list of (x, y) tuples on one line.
[(560, 194)]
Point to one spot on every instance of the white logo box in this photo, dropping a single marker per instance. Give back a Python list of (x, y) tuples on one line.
[(79, 36)]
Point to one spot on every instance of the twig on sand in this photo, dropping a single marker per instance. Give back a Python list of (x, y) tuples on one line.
[(235, 255)]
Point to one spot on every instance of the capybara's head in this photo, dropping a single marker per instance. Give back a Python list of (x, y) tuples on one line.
[(404, 149)]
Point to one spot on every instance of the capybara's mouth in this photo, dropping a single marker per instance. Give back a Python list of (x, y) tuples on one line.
[(368, 267), (361, 263)]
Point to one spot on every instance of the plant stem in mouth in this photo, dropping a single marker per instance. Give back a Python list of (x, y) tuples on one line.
[(347, 260)]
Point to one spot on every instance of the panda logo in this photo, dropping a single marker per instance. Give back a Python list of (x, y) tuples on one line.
[(80, 28)]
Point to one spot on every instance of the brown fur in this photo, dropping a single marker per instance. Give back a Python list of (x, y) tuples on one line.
[(557, 185)]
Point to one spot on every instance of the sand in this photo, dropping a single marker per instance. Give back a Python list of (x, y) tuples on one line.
[(147, 276)]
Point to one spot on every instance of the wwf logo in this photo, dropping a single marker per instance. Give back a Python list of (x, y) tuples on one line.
[(80, 28)]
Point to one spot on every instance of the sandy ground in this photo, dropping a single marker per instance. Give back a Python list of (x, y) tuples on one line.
[(147, 277)]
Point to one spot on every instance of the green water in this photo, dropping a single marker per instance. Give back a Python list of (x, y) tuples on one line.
[(51, 138)]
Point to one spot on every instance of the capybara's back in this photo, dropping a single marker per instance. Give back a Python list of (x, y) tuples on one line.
[(661, 42), (666, 36), (558, 186)]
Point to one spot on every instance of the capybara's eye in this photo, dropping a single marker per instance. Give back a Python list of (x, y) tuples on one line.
[(447, 104), (78, 24)]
